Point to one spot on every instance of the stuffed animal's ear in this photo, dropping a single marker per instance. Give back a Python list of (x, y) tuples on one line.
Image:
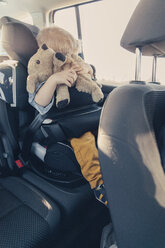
[(60, 56), (44, 47)]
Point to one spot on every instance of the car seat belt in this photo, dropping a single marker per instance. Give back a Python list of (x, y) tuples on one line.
[(54, 130), (28, 138)]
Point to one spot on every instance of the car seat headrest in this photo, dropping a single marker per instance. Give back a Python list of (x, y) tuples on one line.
[(6, 19), (18, 40), (146, 29)]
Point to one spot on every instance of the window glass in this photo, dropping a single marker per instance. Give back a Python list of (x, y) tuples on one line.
[(103, 24), (27, 18), (66, 19)]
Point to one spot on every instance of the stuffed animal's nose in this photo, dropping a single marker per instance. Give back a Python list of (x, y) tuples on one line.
[(60, 56)]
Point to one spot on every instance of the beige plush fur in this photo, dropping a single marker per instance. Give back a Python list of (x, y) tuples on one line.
[(63, 44), (40, 67), (58, 39), (84, 83)]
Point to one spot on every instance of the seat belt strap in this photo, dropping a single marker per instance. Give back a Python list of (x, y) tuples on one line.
[(29, 137)]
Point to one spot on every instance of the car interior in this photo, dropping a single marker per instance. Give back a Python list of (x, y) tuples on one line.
[(42, 207)]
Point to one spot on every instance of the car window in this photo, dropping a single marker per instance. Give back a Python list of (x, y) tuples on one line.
[(102, 26), (66, 19), (101, 34)]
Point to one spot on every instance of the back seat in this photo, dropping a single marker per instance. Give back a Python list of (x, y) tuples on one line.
[(81, 214)]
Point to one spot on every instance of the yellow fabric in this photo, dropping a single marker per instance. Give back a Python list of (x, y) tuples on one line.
[(87, 156), (101, 196)]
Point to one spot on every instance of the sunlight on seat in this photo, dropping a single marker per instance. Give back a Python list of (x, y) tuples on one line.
[(47, 204)]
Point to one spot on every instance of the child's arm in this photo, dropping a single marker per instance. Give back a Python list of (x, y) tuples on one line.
[(46, 92)]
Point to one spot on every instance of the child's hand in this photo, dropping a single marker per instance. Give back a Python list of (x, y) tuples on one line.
[(81, 68), (67, 77), (46, 92)]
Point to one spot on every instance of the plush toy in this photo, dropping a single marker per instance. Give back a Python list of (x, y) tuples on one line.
[(62, 41), (58, 39), (58, 50), (84, 83), (40, 67), (45, 62)]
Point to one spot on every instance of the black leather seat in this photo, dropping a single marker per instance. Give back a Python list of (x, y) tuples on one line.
[(130, 142), (28, 218), (18, 39)]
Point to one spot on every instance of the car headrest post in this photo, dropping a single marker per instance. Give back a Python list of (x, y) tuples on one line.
[(154, 68), (138, 64)]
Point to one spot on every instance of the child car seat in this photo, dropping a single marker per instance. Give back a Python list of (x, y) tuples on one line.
[(19, 42), (16, 115)]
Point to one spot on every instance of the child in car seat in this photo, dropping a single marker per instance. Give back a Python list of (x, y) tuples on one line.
[(42, 99), (87, 156)]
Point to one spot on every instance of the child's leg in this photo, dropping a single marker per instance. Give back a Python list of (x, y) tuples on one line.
[(87, 156)]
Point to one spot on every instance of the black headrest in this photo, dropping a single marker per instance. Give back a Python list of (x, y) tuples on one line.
[(18, 39), (146, 28), (6, 19)]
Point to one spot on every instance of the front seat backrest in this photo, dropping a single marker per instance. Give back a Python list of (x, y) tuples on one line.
[(134, 179)]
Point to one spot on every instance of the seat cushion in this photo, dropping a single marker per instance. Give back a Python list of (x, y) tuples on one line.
[(134, 180), (27, 217)]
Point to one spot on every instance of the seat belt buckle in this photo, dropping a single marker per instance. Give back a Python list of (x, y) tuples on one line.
[(20, 162)]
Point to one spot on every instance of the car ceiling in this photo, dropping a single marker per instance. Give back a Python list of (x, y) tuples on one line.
[(19, 9)]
